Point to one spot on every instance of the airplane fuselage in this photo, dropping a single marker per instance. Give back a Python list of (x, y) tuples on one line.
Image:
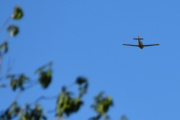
[(140, 44)]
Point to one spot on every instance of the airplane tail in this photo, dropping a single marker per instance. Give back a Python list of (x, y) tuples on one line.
[(138, 38)]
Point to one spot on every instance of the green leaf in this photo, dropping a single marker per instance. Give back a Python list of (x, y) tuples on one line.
[(83, 85), (102, 104), (13, 30), (18, 13), (45, 75), (45, 78), (17, 82), (4, 46), (99, 97), (80, 80), (21, 81), (66, 104), (32, 114), (13, 84)]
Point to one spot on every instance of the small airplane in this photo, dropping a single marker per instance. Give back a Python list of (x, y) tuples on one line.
[(140, 44)]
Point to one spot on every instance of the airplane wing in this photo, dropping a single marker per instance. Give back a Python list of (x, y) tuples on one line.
[(138, 38), (150, 45), (131, 45)]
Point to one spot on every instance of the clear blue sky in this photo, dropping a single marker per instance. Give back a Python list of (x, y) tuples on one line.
[(85, 37)]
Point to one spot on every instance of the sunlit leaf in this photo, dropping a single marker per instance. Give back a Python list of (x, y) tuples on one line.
[(17, 81), (21, 81), (10, 112), (13, 30), (18, 13), (32, 114), (66, 104), (102, 104)]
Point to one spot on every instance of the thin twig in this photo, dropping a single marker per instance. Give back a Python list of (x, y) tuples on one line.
[(7, 71), (4, 85), (9, 66), (17, 96), (1, 57), (49, 111), (7, 20), (43, 98), (30, 86), (71, 85)]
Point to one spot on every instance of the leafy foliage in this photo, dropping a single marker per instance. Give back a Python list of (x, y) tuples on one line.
[(13, 30), (11, 112), (101, 105), (32, 114), (45, 75), (18, 13), (45, 78), (66, 104), (83, 85), (17, 82)]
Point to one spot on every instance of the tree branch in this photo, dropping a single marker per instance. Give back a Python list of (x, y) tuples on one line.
[(43, 98), (7, 20)]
